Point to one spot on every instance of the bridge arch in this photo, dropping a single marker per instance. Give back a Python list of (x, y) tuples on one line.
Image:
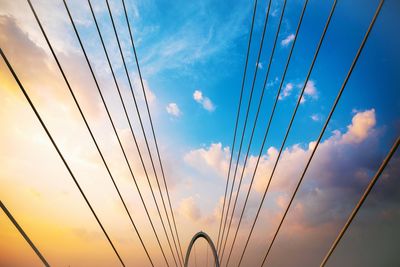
[(210, 243)]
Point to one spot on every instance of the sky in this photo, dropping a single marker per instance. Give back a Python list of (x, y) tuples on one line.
[(192, 56)]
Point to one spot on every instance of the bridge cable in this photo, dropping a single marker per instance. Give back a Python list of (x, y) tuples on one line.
[(248, 109), (255, 123), (266, 77), (361, 201), (24, 235), (59, 152), (142, 128), (155, 141), (255, 170), (111, 120), (78, 37), (237, 118), (290, 124), (243, 134), (324, 127)]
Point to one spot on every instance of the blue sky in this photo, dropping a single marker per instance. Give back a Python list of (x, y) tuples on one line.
[(218, 70), (192, 55)]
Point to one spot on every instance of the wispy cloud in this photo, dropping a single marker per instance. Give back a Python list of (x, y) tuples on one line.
[(288, 40), (215, 158), (274, 13), (203, 100), (330, 176), (273, 82), (309, 92), (173, 109), (286, 91), (315, 117), (191, 41)]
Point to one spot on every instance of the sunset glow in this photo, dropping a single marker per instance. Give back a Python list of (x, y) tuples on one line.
[(192, 57)]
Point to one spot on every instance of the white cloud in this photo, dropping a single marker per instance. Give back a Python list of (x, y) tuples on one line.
[(41, 71), (208, 105), (173, 109), (203, 100), (315, 117), (309, 92), (310, 89), (358, 131), (343, 165), (189, 209), (360, 127), (215, 159), (151, 97), (198, 96), (286, 91), (287, 40)]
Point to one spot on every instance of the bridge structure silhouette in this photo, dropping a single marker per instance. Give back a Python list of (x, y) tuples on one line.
[(170, 228)]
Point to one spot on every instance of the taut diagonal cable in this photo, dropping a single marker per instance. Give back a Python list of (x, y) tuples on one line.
[(361, 201), (237, 120), (323, 128), (59, 152), (269, 123), (73, 24), (256, 119), (22, 232), (181, 259), (98, 148), (243, 134), (113, 126), (265, 80), (144, 134)]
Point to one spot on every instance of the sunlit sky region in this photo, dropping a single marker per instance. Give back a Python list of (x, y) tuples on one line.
[(192, 56)]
